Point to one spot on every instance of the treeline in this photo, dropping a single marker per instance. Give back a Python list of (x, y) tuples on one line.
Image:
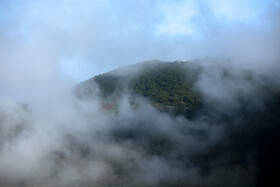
[(167, 85)]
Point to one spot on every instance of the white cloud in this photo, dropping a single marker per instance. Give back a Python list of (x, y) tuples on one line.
[(236, 10), (177, 18)]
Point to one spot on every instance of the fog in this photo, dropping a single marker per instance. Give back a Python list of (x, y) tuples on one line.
[(68, 141), (50, 137)]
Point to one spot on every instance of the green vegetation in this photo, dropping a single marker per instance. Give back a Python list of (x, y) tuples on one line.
[(168, 86), (110, 85)]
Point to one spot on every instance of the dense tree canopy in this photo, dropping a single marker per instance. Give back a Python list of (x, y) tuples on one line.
[(168, 85)]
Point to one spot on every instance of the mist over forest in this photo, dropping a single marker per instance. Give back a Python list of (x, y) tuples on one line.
[(84, 103)]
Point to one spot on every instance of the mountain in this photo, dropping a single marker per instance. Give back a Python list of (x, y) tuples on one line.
[(167, 85), (231, 134)]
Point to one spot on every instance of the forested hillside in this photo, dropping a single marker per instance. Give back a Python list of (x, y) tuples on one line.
[(167, 85), (232, 117)]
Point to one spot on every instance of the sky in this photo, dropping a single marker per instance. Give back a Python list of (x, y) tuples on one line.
[(45, 45)]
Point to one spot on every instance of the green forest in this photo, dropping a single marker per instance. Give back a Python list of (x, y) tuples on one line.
[(167, 85)]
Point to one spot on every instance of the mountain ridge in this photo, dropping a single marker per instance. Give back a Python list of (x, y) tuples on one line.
[(167, 85)]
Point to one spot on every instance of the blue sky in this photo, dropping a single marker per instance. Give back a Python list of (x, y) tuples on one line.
[(56, 41)]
